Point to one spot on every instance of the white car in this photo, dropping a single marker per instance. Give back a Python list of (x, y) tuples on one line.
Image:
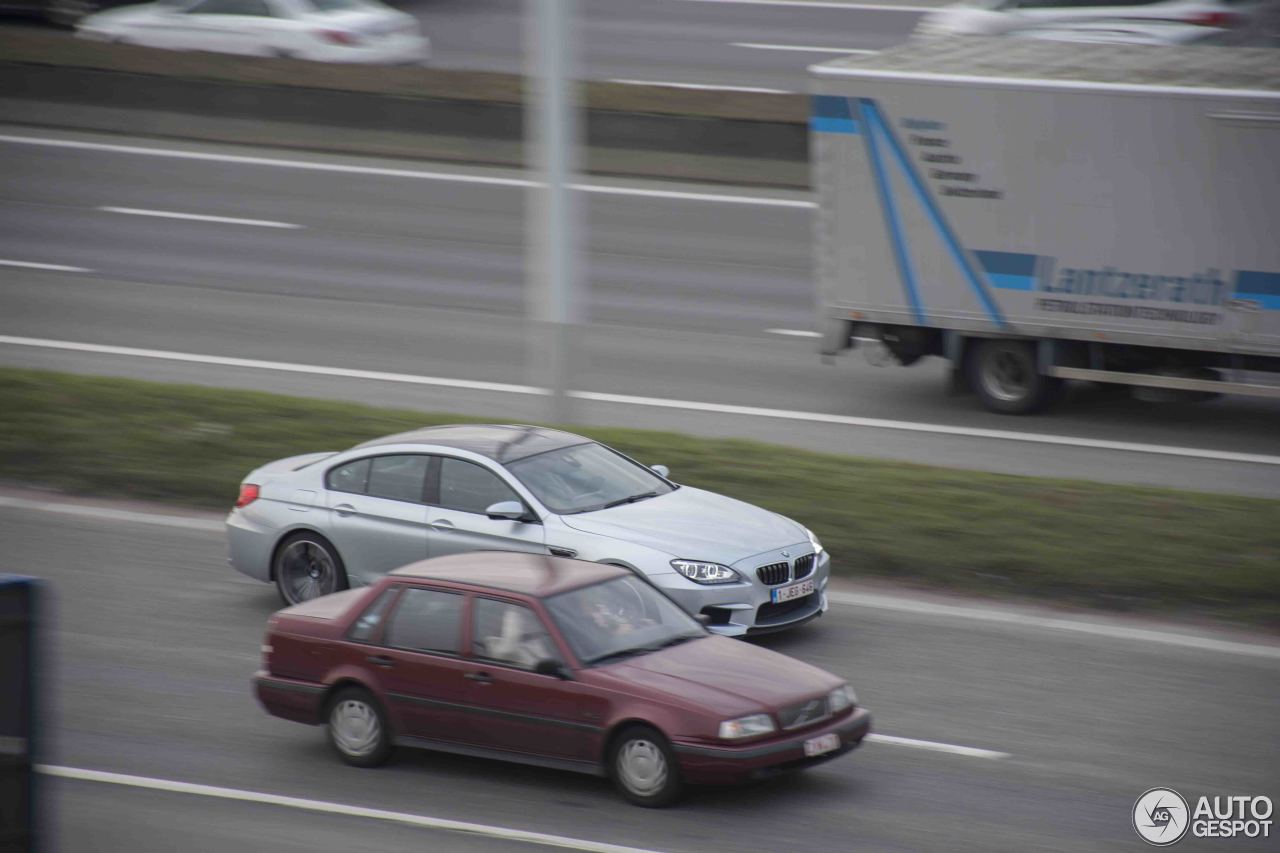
[(321, 30), (1126, 32), (997, 17)]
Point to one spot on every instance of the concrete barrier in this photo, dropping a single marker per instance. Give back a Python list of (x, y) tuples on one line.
[(53, 81)]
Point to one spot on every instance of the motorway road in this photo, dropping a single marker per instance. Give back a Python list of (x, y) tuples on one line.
[(709, 42), (395, 270), (752, 44), (152, 639)]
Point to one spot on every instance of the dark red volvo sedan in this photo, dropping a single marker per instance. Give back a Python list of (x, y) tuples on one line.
[(553, 662)]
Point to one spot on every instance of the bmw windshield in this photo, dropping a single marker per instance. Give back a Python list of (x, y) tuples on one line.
[(620, 618), (586, 477)]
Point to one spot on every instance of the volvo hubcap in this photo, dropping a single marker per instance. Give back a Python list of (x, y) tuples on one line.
[(642, 767), (355, 728)]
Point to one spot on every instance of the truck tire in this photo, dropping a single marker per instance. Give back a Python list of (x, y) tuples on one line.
[(1004, 374)]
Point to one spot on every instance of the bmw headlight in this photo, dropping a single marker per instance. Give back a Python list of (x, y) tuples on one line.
[(813, 540), (841, 698), (709, 573), (756, 724)]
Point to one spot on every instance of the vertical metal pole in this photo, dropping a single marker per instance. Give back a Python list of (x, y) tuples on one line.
[(551, 137)]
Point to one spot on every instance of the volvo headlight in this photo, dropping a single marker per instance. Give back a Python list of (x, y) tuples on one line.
[(709, 573), (813, 540), (841, 698), (756, 724)]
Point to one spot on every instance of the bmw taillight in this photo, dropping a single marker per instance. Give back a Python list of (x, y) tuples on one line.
[(248, 494)]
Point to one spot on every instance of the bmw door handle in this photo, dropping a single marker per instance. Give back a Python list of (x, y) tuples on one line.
[(480, 677), (442, 524), (381, 660), (344, 509)]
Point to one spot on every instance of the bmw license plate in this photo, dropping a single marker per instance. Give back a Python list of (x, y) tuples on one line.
[(796, 590), (821, 744)]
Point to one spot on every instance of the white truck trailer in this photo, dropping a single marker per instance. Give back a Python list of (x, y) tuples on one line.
[(1037, 212)]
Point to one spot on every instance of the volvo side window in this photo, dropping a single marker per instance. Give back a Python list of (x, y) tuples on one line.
[(426, 620)]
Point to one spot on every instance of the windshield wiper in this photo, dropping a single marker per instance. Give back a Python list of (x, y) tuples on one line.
[(644, 650), (619, 655), (630, 499)]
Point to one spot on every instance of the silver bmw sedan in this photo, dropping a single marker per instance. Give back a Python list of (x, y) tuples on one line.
[(321, 522)]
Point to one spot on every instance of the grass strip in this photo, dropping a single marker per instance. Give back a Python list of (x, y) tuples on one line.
[(1117, 547)]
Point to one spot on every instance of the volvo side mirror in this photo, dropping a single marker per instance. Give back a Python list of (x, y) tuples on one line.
[(554, 668)]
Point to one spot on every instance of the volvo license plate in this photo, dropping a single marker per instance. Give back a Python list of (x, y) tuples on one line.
[(822, 744), (796, 590)]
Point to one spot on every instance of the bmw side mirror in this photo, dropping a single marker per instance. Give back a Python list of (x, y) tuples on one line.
[(554, 668), (510, 510), (661, 470)]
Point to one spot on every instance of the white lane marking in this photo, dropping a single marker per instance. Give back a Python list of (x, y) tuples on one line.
[(704, 86), (661, 403), (935, 429), (378, 171), (763, 201), (800, 48), (282, 366), (423, 821), (934, 746), (198, 217), (876, 601), (31, 265), (102, 513), (795, 333), (828, 4), (898, 604)]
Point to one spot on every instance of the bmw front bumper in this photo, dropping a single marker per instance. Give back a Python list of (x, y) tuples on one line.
[(748, 606)]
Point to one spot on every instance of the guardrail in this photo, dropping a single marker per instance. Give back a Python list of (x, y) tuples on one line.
[(50, 80)]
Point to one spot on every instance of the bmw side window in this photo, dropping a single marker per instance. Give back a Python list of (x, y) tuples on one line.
[(351, 477), (368, 623), (469, 487), (398, 478), (426, 620)]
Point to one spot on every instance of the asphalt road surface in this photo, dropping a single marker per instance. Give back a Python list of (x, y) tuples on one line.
[(342, 264), (152, 639), (753, 44)]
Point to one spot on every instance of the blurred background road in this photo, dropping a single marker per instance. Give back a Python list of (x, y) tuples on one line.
[(756, 44), (699, 295), (717, 42), (156, 638)]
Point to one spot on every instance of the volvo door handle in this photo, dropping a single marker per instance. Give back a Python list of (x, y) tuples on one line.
[(442, 524), (481, 677), (344, 509), (381, 660)]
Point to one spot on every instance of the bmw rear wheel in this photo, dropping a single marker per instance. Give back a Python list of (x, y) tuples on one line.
[(306, 566), (644, 768), (358, 729)]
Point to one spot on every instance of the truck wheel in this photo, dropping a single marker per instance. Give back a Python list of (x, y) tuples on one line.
[(1004, 375)]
